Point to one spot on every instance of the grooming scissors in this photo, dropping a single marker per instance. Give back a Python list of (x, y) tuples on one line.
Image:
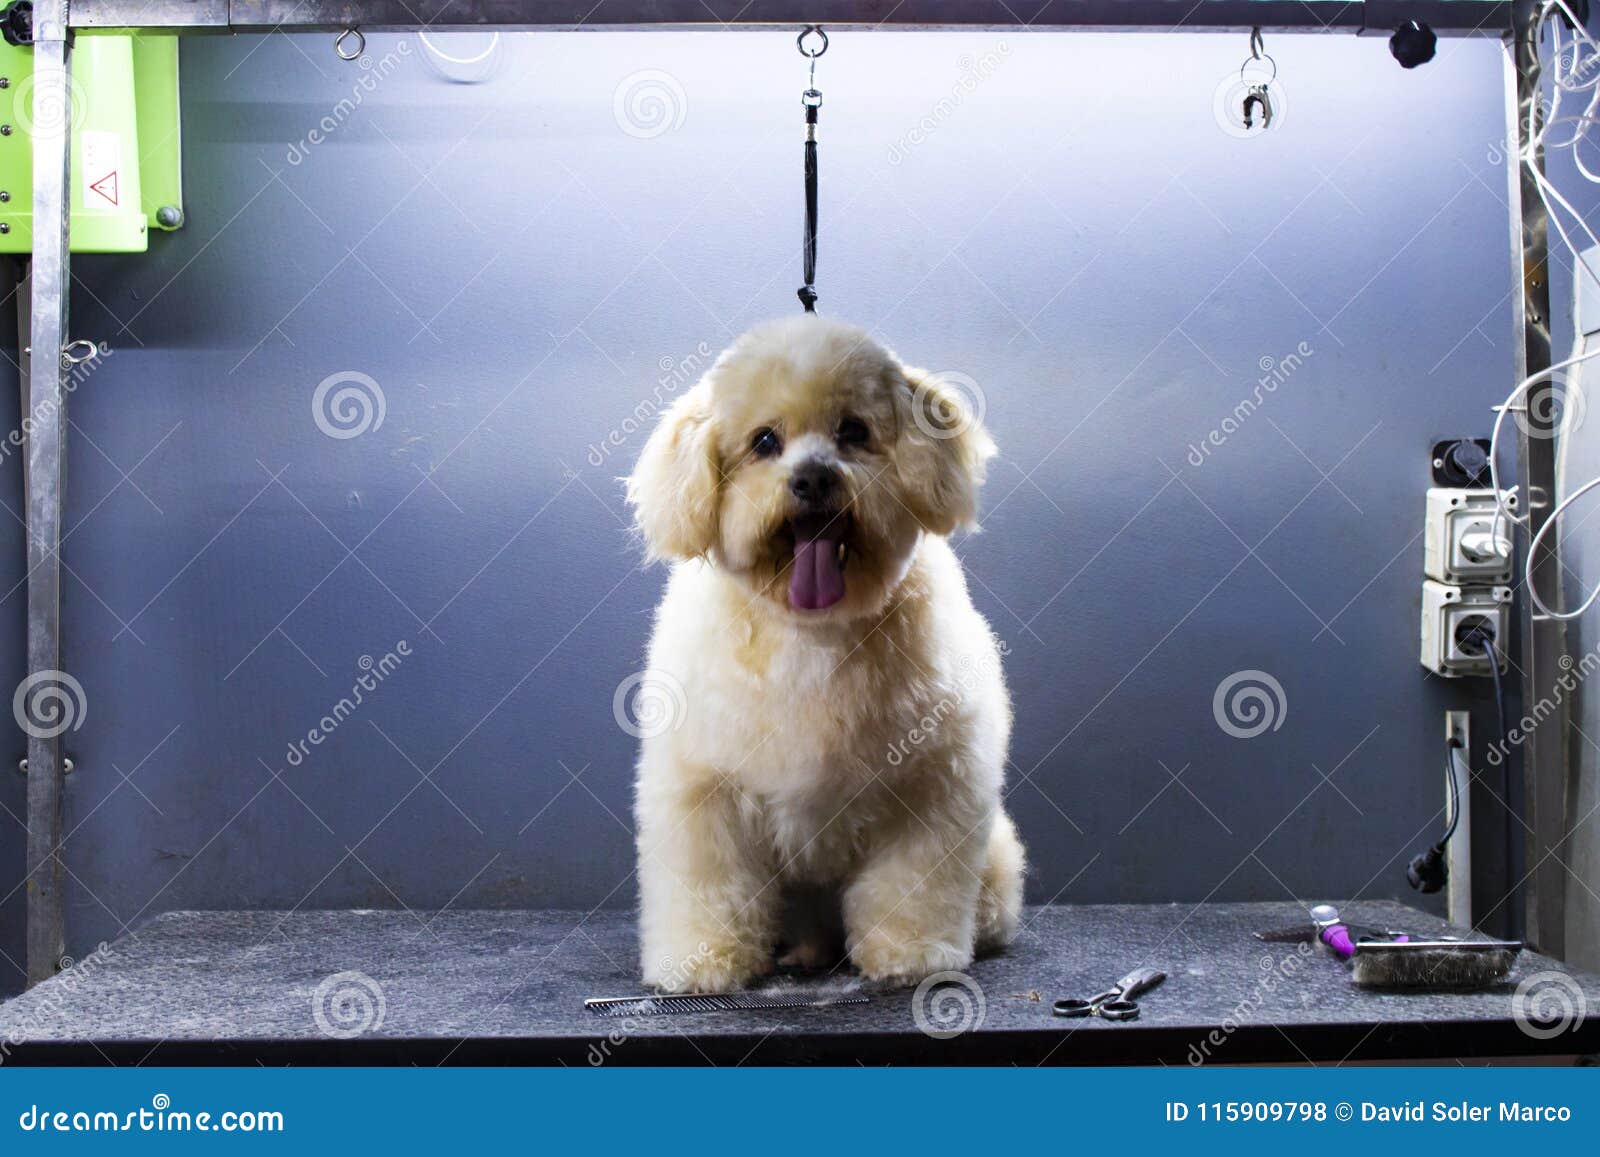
[(1117, 1003)]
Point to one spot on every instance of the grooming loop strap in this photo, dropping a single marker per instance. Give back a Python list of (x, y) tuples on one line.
[(811, 101)]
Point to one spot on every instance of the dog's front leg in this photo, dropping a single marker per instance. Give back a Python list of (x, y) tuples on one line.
[(911, 910), (709, 903)]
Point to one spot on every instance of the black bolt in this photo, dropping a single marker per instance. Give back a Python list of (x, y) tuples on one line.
[(1413, 43)]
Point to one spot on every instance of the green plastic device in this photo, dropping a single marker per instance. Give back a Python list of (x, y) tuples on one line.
[(126, 143)]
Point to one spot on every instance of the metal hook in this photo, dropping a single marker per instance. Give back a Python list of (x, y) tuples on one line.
[(800, 41), (339, 44), (1273, 76), (75, 353), (811, 98)]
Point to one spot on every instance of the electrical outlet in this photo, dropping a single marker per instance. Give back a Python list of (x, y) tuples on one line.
[(1451, 616), (1462, 544)]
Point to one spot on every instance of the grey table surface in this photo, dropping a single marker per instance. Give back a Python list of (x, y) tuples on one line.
[(508, 986)]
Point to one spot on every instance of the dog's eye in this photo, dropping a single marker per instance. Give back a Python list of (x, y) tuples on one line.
[(853, 432), (764, 443)]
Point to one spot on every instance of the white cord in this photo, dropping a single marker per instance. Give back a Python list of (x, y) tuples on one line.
[(1533, 553), (1568, 75), (1494, 435), (440, 54)]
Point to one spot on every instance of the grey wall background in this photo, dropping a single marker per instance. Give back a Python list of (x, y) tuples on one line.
[(1076, 232)]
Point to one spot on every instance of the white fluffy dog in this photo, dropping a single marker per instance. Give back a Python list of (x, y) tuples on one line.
[(845, 719)]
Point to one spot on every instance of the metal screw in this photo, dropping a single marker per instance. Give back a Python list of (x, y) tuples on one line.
[(5, 82), (4, 227), (4, 195), (169, 216), (5, 130), (67, 766)]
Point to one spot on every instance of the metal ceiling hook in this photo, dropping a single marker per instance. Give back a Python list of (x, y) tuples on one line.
[(340, 44)]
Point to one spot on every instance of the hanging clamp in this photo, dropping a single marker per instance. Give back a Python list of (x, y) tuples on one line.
[(1257, 95), (811, 101)]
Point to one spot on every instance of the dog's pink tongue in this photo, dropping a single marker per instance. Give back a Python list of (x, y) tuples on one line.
[(817, 580)]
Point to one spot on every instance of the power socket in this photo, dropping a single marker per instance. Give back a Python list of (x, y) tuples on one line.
[(1462, 544), (1452, 613)]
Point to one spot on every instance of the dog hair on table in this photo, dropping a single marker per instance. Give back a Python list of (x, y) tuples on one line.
[(832, 784)]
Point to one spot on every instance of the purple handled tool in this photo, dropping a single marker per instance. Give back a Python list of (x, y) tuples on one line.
[(1333, 932)]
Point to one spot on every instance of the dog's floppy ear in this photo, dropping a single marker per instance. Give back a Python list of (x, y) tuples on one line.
[(942, 451), (674, 489)]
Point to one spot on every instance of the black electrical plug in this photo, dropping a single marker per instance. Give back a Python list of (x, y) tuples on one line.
[(1475, 635), (1426, 872)]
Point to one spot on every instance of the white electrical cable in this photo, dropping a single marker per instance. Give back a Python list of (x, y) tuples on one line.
[(1499, 418), (1577, 71), (1533, 553)]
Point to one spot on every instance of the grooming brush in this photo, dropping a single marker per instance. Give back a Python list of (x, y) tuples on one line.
[(710, 1002), (1432, 964), (1381, 958)]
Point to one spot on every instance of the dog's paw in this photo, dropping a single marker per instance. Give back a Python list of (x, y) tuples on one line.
[(892, 963), (710, 968)]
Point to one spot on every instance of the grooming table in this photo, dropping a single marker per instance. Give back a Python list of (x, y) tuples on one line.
[(506, 986)]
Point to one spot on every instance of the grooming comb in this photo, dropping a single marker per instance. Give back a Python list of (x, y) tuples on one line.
[(677, 1003)]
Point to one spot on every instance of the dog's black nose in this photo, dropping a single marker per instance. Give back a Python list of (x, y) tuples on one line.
[(813, 482)]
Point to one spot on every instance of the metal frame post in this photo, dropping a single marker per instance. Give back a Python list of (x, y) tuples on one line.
[(1541, 640), (1538, 913), (51, 277)]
